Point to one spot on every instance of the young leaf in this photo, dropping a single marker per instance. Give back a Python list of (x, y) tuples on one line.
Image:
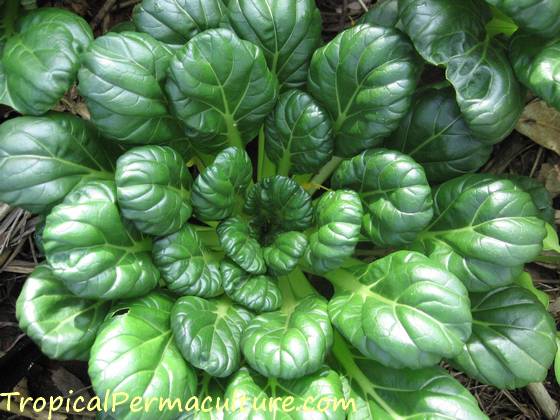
[(122, 82), (513, 341), (541, 17), (484, 230), (440, 29), (219, 86), (239, 241), (256, 293), (488, 94), (92, 251), (153, 189), (435, 134), (536, 62), (175, 22), (299, 136), (338, 217), (402, 310), (249, 388), (365, 79), (208, 333), (134, 353), (40, 63), (186, 266), (43, 158), (381, 392), (394, 191), (526, 281), (287, 32), (218, 190), (289, 343), (283, 255), (280, 204), (62, 325)]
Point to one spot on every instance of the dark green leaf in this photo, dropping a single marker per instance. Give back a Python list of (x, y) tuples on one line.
[(513, 341), (403, 310), (221, 88), (288, 33), (43, 158), (283, 255), (299, 137), (435, 134), (239, 241), (382, 13), (92, 251), (153, 189), (208, 333), (365, 78), (62, 325), (541, 17), (394, 191), (186, 266), (135, 353)]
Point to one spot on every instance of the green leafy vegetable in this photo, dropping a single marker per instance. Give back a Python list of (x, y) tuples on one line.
[(541, 17), (365, 79), (135, 353), (403, 310), (287, 32), (513, 340), (221, 88), (62, 325), (122, 80), (43, 158), (186, 266), (283, 255), (394, 191), (153, 189), (299, 137), (435, 134), (175, 22), (257, 293), (484, 230), (92, 251), (208, 333), (338, 217)]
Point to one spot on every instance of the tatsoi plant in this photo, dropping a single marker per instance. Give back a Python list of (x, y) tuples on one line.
[(181, 263)]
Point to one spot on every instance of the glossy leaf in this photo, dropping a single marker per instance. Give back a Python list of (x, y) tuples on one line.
[(153, 189), (176, 22), (287, 32), (239, 241), (365, 78), (221, 88), (513, 341), (435, 134), (537, 65), (382, 13), (279, 203), (338, 220), (40, 63), (289, 343), (43, 158), (257, 293), (92, 251), (541, 17), (488, 94), (122, 81), (526, 281), (538, 192), (221, 186), (283, 255), (186, 266), (402, 310), (383, 393), (484, 230), (135, 353), (440, 29), (299, 137), (248, 387), (394, 191), (62, 325), (208, 333)]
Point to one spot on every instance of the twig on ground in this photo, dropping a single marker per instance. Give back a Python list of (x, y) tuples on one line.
[(106, 8)]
